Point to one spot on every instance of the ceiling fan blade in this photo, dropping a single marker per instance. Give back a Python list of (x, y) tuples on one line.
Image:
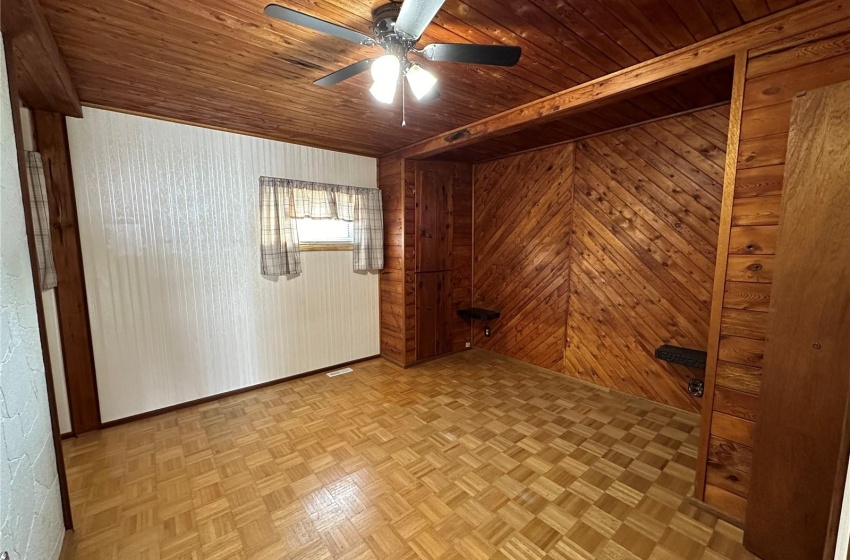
[(415, 15), (344, 73), (316, 24), (494, 55)]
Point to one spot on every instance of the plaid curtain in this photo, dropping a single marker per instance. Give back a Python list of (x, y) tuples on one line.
[(282, 201), (41, 220)]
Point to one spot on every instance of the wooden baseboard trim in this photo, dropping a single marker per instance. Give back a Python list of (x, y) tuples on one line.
[(423, 361), (218, 396), (432, 358), (67, 552), (68, 435), (696, 502), (591, 384), (393, 361)]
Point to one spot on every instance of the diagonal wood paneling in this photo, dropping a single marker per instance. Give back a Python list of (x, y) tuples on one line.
[(599, 251), (647, 204), (774, 75), (521, 252)]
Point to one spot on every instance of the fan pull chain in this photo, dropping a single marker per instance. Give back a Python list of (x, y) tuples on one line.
[(403, 108)]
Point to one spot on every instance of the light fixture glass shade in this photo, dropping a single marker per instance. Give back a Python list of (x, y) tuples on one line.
[(383, 91), (421, 81), (385, 69)]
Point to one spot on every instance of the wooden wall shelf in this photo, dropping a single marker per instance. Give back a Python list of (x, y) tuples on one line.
[(678, 355), (478, 313)]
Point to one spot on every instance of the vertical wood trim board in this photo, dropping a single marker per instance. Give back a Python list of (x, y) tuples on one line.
[(51, 139), (723, 241), (775, 74), (800, 457)]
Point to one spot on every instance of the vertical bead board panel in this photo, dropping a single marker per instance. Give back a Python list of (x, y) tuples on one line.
[(169, 225)]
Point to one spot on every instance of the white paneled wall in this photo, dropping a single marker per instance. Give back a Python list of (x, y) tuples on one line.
[(170, 236)]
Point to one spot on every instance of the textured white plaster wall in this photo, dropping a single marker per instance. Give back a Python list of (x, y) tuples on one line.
[(169, 227), (31, 525)]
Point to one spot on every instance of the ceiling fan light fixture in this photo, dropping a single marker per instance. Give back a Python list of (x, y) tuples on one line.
[(384, 91), (421, 81), (385, 69)]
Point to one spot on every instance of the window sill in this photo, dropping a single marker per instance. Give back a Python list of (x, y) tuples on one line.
[(327, 247)]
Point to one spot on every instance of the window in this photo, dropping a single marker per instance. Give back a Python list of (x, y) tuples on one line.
[(324, 234)]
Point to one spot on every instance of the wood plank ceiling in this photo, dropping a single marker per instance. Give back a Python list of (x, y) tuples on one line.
[(223, 63)]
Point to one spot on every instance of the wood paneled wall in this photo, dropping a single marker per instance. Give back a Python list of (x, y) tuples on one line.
[(523, 217), (773, 76), (646, 214), (51, 139), (461, 274), (802, 438), (394, 315), (397, 181), (598, 252)]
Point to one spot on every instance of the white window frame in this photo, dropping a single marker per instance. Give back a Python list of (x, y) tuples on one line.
[(331, 243)]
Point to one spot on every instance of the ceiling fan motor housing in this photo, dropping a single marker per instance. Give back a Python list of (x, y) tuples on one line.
[(383, 19)]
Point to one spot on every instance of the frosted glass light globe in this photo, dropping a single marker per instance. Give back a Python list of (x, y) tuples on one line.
[(383, 91), (385, 69), (421, 81)]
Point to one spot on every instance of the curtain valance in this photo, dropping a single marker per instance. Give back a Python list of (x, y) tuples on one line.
[(282, 201)]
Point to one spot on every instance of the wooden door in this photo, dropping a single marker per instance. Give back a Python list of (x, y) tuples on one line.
[(444, 319), (427, 289), (433, 314), (434, 182), (801, 434)]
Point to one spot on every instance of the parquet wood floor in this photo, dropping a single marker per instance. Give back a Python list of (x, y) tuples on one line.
[(471, 456)]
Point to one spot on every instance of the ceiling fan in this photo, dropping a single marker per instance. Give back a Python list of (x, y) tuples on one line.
[(397, 28)]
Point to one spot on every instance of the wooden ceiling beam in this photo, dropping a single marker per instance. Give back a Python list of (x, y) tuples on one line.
[(800, 19), (44, 81)]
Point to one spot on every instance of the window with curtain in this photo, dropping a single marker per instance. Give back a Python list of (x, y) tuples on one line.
[(324, 232), (40, 221), (283, 202)]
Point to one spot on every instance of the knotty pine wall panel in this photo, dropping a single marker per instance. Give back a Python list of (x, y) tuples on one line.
[(774, 75), (397, 180), (393, 328), (523, 217), (598, 252), (646, 214)]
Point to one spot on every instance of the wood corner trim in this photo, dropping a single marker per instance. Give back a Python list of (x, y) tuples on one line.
[(720, 266)]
